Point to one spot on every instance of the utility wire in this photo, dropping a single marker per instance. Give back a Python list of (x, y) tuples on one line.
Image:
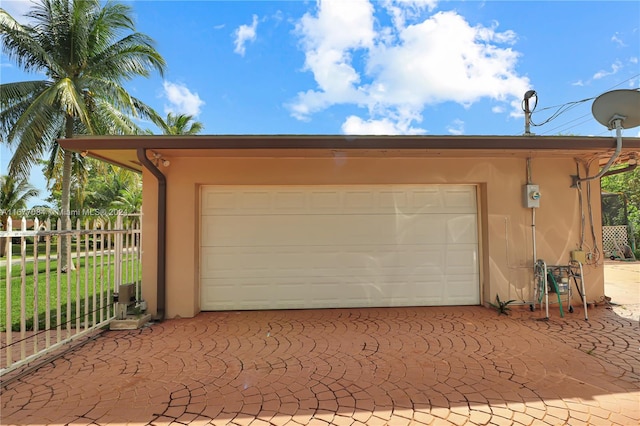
[(563, 108), (585, 118)]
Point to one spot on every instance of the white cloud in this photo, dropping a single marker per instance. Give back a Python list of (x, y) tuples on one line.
[(328, 46), (404, 10), (456, 127), (618, 40), (244, 34), (355, 125), (615, 67), (181, 99), (406, 68)]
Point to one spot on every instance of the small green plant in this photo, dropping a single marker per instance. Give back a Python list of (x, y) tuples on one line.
[(136, 311), (500, 306)]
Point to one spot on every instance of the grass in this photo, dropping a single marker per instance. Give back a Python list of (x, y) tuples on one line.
[(42, 249), (67, 303)]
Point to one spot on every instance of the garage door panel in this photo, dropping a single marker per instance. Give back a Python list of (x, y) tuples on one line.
[(257, 293), (459, 199), (461, 229), (335, 230), (457, 289), (328, 261), (318, 247), (327, 292), (430, 290), (267, 200), (462, 260)]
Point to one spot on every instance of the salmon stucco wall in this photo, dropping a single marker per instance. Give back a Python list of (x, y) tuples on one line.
[(505, 228)]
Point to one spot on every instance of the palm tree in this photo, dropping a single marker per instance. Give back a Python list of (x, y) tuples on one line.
[(14, 195), (180, 124), (104, 188), (79, 47), (129, 200)]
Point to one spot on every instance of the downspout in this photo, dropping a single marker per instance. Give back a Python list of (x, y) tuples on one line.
[(162, 228)]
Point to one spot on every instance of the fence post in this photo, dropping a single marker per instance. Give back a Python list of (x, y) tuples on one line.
[(118, 254), (78, 262), (23, 290), (59, 281), (86, 274), (9, 333), (47, 320), (36, 317)]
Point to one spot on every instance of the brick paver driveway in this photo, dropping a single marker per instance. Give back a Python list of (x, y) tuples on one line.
[(453, 365)]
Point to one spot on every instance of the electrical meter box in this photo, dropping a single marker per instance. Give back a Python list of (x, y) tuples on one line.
[(531, 196)]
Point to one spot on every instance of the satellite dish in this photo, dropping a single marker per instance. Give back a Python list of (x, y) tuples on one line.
[(617, 109), (622, 105)]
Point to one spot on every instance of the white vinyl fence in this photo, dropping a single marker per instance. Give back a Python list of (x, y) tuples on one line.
[(45, 305)]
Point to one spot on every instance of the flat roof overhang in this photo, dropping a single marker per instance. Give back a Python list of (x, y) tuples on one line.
[(122, 150)]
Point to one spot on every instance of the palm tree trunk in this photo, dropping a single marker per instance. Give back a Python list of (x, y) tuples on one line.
[(65, 213)]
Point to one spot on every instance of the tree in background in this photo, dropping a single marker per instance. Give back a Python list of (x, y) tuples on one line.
[(14, 194), (130, 199), (87, 51), (52, 171), (627, 184), (100, 188), (180, 124), (114, 188)]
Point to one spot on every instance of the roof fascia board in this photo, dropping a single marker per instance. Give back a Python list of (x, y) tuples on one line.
[(241, 142)]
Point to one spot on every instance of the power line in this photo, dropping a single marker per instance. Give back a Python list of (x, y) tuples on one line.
[(564, 129), (563, 108)]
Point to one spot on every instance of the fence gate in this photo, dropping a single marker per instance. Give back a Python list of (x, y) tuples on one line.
[(45, 304)]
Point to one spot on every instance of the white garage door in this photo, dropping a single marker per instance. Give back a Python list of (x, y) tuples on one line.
[(282, 247)]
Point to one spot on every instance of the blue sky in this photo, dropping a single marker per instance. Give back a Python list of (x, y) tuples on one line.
[(382, 67)]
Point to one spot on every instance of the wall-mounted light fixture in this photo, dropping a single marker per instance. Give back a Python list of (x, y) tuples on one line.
[(159, 159)]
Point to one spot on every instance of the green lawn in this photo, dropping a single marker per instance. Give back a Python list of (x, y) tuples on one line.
[(15, 250), (42, 249), (67, 310)]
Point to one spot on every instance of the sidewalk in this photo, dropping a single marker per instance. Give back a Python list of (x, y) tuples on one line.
[(622, 285)]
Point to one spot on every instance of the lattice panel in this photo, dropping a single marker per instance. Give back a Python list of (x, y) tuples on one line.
[(613, 234)]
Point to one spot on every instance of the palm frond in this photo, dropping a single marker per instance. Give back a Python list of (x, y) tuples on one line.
[(130, 57), (37, 135), (14, 194), (113, 121), (22, 45), (182, 124), (15, 98), (86, 48), (12, 93)]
